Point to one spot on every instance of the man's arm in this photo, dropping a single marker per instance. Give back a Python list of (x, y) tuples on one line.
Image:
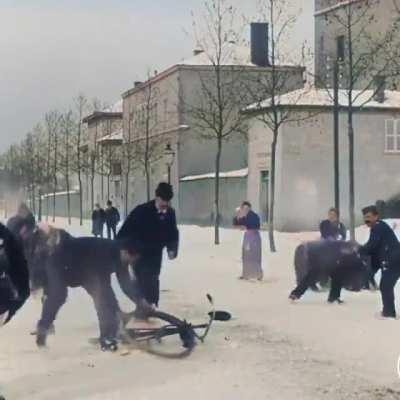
[(173, 240), (131, 227), (373, 243), (343, 231), (324, 230)]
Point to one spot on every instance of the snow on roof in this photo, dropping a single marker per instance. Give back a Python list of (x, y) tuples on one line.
[(241, 173), (232, 54), (114, 136), (59, 194), (115, 108), (324, 98)]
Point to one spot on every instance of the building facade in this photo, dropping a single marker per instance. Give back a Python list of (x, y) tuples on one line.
[(166, 98), (103, 158), (373, 24), (305, 159)]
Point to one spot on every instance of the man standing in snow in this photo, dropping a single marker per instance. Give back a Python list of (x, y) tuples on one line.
[(112, 219), (151, 227), (384, 249)]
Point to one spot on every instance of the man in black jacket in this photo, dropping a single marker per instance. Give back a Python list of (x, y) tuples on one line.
[(112, 219), (151, 227), (384, 249), (332, 228)]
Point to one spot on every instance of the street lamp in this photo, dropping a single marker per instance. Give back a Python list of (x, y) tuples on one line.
[(169, 156)]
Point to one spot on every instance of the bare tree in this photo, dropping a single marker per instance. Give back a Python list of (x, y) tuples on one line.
[(215, 113), (148, 148), (266, 87), (81, 105), (367, 61)]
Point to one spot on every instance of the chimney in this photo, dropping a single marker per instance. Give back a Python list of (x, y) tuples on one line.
[(137, 83), (380, 87), (259, 44)]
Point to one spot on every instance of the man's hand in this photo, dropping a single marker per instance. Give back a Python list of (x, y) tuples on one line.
[(172, 255)]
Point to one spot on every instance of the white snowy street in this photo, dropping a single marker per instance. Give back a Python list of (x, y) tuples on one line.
[(272, 349)]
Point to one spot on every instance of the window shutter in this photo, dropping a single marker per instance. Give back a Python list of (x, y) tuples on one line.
[(390, 144)]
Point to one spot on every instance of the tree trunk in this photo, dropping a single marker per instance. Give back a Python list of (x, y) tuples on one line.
[(92, 193), (271, 197), (216, 204), (68, 202), (126, 194), (147, 173), (78, 153), (351, 177)]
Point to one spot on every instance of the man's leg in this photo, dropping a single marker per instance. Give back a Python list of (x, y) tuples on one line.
[(107, 309), (388, 282), (304, 284), (114, 231), (55, 297), (336, 288), (108, 231)]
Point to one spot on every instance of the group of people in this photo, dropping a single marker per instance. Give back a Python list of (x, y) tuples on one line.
[(109, 217)]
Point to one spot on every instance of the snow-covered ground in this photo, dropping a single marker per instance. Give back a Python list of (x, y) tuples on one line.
[(272, 349)]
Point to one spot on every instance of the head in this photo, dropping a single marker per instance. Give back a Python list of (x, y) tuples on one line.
[(97, 206), (40, 245), (333, 215), (245, 208), (164, 195), (371, 215), (23, 210), (109, 204)]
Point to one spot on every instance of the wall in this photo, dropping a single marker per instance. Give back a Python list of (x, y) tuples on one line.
[(305, 169), (327, 28), (61, 206), (197, 200)]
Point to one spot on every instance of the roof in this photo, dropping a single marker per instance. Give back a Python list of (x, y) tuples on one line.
[(324, 98), (234, 56), (116, 136), (113, 111), (241, 173)]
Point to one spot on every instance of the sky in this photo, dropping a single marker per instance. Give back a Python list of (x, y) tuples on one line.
[(52, 50)]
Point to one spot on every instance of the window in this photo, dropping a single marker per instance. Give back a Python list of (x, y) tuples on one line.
[(340, 48), (116, 169), (392, 136)]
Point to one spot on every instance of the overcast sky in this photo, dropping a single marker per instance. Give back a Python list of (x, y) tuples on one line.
[(51, 50)]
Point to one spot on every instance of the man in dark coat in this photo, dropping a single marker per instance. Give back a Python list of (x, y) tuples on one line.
[(22, 223), (98, 220), (14, 276), (384, 249), (332, 228), (112, 219), (151, 227)]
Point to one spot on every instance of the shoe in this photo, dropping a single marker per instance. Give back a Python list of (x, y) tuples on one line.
[(332, 301), (108, 344), (383, 316), (294, 297)]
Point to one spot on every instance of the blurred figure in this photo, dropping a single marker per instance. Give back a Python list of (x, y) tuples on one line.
[(112, 219), (98, 220), (22, 223), (248, 220), (332, 228)]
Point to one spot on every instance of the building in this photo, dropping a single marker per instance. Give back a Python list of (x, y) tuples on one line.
[(304, 164), (102, 152), (370, 21), (162, 102)]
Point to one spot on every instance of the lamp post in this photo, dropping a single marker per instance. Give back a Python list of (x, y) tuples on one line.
[(169, 155), (335, 72)]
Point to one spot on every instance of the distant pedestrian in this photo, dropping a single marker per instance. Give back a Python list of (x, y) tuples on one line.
[(332, 228), (112, 219), (251, 250), (98, 220)]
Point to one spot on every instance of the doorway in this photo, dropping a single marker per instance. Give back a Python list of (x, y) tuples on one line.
[(264, 196)]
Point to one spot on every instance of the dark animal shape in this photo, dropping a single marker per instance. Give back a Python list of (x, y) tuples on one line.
[(58, 261), (14, 276), (323, 260)]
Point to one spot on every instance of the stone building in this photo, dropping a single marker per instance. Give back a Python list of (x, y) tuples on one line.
[(102, 176), (374, 18), (172, 93), (305, 159)]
